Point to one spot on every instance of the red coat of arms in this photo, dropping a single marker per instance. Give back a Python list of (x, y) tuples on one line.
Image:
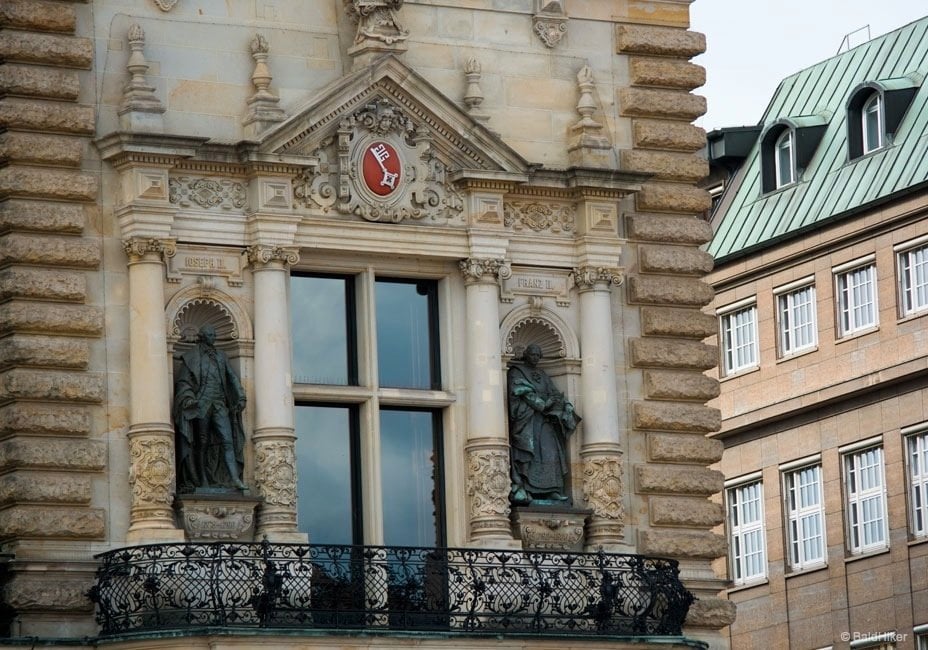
[(381, 168)]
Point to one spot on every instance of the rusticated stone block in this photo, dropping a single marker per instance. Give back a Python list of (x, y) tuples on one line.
[(685, 511), (49, 49), (662, 41), (664, 134), (680, 544), (667, 353), (47, 250), (40, 115), (44, 419), (676, 416), (52, 522), (713, 613), (684, 260), (44, 487), (664, 290), (55, 385), (672, 197), (668, 73), (673, 321), (669, 229), (36, 81), (664, 164), (43, 149), (38, 15), (684, 448), (649, 102), (52, 453), (49, 284), (47, 183), (27, 214), (678, 479), (51, 317), (48, 590), (680, 385), (44, 351)]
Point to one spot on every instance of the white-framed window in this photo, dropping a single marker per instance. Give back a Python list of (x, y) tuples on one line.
[(921, 636), (805, 515), (746, 532), (784, 159), (913, 279), (796, 320), (738, 326), (871, 123), (856, 297), (916, 452), (865, 491)]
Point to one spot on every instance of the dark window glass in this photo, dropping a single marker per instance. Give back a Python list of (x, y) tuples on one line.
[(410, 451), (407, 334), (323, 330), (326, 444)]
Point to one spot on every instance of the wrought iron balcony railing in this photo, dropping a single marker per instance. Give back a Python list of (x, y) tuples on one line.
[(471, 591)]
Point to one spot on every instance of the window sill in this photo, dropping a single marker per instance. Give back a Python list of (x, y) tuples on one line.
[(850, 336), (913, 315), (740, 373), (800, 353), (803, 571), (867, 554), (748, 585), (916, 541)]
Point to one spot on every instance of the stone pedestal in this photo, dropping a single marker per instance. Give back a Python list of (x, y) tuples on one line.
[(214, 516), (550, 528)]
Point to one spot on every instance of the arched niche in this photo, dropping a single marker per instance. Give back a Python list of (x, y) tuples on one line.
[(543, 327), (198, 305)]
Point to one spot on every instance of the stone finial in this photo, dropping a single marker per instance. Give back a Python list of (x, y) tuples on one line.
[(263, 110), (140, 110), (550, 21), (589, 147), (379, 29), (473, 96)]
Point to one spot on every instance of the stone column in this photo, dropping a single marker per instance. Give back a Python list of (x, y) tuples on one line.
[(488, 480), (601, 451), (151, 436), (274, 438)]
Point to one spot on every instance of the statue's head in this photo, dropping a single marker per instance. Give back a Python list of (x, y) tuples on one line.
[(207, 334), (532, 354)]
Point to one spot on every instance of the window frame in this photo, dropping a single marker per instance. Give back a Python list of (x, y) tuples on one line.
[(787, 137), (729, 346), (906, 271), (854, 500), (737, 533), (795, 516), (866, 110), (786, 333), (916, 484), (845, 325)]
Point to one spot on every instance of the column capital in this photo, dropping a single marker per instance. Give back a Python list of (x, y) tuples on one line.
[(479, 270), (261, 255), (140, 248), (590, 278)]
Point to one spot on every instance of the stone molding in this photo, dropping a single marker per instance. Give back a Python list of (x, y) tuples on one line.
[(485, 271), (208, 193), (590, 278)]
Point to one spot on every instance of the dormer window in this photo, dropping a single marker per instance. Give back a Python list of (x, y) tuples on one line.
[(871, 121), (874, 113), (784, 160)]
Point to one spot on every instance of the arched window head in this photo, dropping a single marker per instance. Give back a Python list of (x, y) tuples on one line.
[(785, 159), (871, 122)]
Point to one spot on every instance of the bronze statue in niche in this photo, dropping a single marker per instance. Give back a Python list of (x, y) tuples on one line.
[(208, 404), (540, 422)]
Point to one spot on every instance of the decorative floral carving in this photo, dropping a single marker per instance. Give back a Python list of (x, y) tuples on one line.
[(488, 483), (550, 21), (138, 247), (552, 534), (275, 472), (476, 269), (377, 20), (207, 192), (260, 255), (151, 471), (165, 5), (538, 216), (588, 277), (229, 521), (602, 487)]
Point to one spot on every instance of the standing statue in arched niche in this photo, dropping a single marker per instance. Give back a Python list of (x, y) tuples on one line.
[(540, 422), (208, 404)]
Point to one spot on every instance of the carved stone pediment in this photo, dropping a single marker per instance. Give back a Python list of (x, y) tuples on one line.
[(384, 145)]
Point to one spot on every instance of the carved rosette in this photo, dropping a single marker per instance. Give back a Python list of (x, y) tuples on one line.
[(477, 269), (539, 217), (488, 483), (602, 488), (151, 472), (588, 278), (207, 193), (262, 255), (275, 472), (137, 248)]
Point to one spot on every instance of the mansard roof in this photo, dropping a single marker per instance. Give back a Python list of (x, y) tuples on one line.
[(833, 184)]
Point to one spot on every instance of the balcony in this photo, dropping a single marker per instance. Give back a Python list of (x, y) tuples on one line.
[(234, 586)]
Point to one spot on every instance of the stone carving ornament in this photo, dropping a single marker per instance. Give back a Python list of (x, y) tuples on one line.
[(377, 20), (475, 269), (275, 472), (488, 483), (165, 5), (550, 21), (151, 472), (539, 217), (602, 487), (206, 192)]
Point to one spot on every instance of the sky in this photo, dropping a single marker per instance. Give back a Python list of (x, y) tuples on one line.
[(751, 45)]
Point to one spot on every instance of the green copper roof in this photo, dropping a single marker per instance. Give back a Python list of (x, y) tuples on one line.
[(831, 186)]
